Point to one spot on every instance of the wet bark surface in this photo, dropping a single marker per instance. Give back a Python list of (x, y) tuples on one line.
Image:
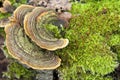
[(3, 60), (48, 75), (3, 64), (1, 41)]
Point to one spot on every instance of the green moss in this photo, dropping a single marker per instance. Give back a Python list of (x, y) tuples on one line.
[(16, 4), (95, 5), (54, 30), (89, 76), (91, 35), (114, 39), (4, 15), (16, 70), (2, 32)]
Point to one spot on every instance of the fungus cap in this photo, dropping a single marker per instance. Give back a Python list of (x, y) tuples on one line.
[(7, 7), (21, 11), (21, 48), (34, 27)]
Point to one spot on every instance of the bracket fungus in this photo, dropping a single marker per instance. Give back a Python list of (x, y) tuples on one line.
[(28, 40), (21, 48), (6, 7), (4, 22), (43, 38), (20, 13)]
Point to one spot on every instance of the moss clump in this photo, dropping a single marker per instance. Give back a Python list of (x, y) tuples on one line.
[(114, 40), (2, 32), (4, 15), (54, 30), (88, 55), (17, 3), (16, 70)]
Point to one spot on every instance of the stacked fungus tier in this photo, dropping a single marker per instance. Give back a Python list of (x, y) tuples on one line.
[(29, 41)]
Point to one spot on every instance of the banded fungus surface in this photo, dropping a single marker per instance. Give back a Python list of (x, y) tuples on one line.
[(28, 40), (39, 33), (6, 7)]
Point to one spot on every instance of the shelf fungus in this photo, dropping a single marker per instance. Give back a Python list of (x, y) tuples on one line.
[(4, 22), (29, 41), (6, 7), (34, 25), (21, 48), (20, 13)]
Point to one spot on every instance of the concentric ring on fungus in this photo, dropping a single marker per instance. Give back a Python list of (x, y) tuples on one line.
[(33, 25), (21, 48), (21, 11), (28, 24)]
